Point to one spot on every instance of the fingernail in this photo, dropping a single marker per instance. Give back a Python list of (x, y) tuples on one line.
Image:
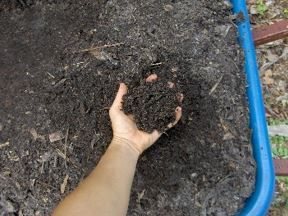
[(152, 78), (122, 85)]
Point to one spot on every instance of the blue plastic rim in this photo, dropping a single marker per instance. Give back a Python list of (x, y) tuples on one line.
[(258, 204)]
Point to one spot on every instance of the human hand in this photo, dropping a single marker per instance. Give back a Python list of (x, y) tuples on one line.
[(124, 128)]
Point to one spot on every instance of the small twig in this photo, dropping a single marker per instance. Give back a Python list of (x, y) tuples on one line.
[(61, 154), (99, 47), (51, 75), (216, 85), (105, 108), (65, 145), (55, 161), (166, 134), (157, 64)]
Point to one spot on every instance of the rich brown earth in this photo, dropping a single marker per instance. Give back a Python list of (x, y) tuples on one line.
[(51, 83)]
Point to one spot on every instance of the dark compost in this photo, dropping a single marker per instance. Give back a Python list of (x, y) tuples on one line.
[(60, 66)]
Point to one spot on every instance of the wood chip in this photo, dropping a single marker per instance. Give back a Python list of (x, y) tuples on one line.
[(54, 137), (12, 156), (3, 145), (100, 55), (228, 136), (168, 7), (35, 135), (63, 185)]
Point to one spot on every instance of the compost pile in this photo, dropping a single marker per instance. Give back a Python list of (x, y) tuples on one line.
[(61, 63)]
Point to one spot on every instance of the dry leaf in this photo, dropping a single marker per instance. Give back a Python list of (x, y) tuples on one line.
[(268, 73), (268, 81), (267, 77), (271, 57)]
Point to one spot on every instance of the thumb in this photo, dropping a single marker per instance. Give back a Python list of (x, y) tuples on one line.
[(117, 104)]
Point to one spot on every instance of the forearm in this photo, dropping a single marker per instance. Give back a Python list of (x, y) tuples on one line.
[(106, 190)]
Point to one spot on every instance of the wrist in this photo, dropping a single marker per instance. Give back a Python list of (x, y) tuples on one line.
[(127, 144)]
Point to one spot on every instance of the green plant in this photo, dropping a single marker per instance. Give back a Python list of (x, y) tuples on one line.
[(279, 140), (285, 11), (261, 7), (279, 146), (281, 152), (272, 121)]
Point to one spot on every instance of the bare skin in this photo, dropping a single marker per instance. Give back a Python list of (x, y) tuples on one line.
[(106, 191)]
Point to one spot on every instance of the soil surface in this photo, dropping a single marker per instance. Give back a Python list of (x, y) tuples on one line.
[(61, 63)]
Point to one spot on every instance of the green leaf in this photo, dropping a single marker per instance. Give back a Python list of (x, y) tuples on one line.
[(261, 7), (285, 11)]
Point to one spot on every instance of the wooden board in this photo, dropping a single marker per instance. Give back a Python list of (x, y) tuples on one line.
[(266, 34)]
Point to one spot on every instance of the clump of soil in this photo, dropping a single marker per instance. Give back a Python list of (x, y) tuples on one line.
[(61, 63), (152, 105)]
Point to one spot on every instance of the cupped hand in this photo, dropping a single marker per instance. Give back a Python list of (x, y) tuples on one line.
[(125, 129)]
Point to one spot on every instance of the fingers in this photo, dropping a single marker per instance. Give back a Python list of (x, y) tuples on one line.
[(179, 95), (152, 78), (178, 110), (117, 104), (178, 115)]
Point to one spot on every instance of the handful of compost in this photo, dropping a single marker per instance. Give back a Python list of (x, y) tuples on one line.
[(153, 104)]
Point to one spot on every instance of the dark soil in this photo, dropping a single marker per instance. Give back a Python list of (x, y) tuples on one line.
[(49, 83), (152, 104)]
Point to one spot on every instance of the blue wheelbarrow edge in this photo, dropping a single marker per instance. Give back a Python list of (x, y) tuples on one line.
[(258, 204)]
